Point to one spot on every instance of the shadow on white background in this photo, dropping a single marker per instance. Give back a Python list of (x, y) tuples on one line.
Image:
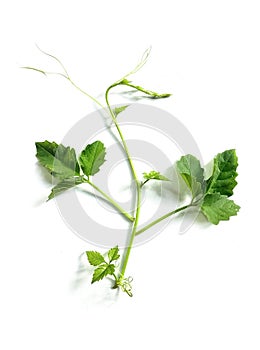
[(92, 295)]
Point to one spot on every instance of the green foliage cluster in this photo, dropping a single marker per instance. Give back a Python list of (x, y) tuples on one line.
[(211, 195)]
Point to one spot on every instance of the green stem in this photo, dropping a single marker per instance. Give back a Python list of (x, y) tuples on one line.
[(133, 234), (143, 183), (120, 133), (162, 218), (138, 188), (111, 201), (65, 75), (84, 92)]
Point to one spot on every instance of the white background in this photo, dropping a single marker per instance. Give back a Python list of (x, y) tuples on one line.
[(199, 290)]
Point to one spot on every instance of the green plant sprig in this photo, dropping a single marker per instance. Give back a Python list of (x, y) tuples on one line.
[(61, 162), (210, 195), (104, 268)]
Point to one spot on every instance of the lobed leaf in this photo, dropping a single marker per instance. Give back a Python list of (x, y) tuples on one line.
[(102, 271), (95, 258), (217, 207), (223, 179), (92, 157), (59, 160), (192, 173), (65, 185), (113, 254)]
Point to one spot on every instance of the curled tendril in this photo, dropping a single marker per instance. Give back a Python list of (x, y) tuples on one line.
[(125, 285)]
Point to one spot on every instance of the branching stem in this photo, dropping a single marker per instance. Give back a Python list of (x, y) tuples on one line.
[(155, 222), (111, 201)]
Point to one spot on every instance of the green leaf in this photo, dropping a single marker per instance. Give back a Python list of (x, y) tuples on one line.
[(92, 157), (192, 173), (217, 207), (113, 254), (65, 185), (102, 271), (59, 160), (223, 179), (118, 110), (95, 258), (155, 175)]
